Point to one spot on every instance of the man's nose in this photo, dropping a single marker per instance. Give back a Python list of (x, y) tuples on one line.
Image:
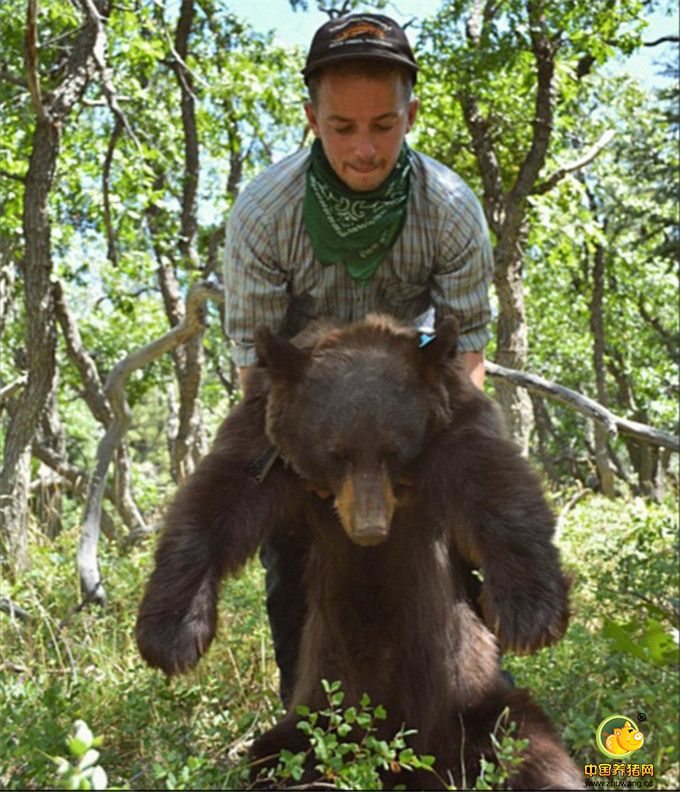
[(365, 148)]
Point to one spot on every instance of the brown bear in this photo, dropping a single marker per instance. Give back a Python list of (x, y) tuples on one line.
[(396, 470)]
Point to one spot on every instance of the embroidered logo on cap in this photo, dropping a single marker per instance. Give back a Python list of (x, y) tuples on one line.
[(363, 29)]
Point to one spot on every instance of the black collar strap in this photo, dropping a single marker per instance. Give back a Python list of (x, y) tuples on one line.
[(260, 468), (264, 463)]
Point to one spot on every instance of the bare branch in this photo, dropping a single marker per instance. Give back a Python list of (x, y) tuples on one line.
[(487, 159), (73, 477), (7, 606), (14, 176), (191, 324), (13, 79), (74, 480), (111, 251), (587, 157), (81, 61), (480, 128), (333, 12), (32, 71), (182, 62), (662, 40), (99, 55), (587, 406), (8, 391), (94, 392), (543, 48), (189, 223)]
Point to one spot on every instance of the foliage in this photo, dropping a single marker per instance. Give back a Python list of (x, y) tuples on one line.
[(117, 222), (192, 732), (117, 205), (634, 232), (344, 744), (620, 654), (86, 773), (488, 54), (508, 752)]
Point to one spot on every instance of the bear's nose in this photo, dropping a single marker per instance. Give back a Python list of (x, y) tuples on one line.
[(370, 535), (365, 505)]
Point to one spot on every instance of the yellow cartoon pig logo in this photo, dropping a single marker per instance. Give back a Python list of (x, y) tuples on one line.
[(618, 736)]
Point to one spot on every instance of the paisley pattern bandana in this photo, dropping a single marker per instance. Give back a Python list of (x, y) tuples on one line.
[(354, 228)]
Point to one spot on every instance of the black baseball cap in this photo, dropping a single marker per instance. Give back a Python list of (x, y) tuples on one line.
[(371, 36)]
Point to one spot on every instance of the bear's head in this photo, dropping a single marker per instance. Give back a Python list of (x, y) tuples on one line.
[(353, 411)]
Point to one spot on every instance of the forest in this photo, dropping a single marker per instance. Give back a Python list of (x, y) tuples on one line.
[(127, 130)]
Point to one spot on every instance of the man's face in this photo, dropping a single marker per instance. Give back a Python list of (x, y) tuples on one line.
[(361, 122)]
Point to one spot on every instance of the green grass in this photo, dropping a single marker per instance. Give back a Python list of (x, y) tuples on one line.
[(617, 657)]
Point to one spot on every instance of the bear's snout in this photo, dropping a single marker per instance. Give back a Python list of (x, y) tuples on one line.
[(365, 504)]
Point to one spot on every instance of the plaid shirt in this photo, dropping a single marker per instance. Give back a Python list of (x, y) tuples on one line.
[(442, 260)]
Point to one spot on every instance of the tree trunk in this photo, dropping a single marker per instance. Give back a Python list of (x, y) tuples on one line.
[(51, 114), (604, 472), (40, 344), (125, 502), (546, 435), (7, 274), (48, 497), (512, 345), (184, 442)]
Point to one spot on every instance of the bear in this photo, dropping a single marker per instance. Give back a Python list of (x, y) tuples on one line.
[(398, 473)]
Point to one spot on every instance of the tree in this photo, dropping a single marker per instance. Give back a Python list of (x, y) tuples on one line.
[(502, 74), (51, 112), (603, 288), (134, 188)]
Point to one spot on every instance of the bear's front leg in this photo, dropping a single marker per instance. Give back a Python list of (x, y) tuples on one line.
[(215, 524), (493, 506)]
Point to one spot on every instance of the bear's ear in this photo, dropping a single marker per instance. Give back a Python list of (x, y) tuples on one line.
[(277, 354), (437, 349)]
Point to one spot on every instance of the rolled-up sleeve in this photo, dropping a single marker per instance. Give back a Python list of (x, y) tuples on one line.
[(463, 274), (255, 283)]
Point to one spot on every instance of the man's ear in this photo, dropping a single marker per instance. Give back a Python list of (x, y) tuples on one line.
[(413, 106), (283, 359), (311, 118)]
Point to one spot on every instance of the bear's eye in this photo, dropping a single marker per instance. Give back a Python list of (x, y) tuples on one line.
[(336, 456), (392, 455)]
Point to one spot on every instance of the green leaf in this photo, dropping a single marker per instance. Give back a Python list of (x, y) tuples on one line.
[(351, 714)]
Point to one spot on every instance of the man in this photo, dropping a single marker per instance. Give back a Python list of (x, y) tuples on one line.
[(359, 223)]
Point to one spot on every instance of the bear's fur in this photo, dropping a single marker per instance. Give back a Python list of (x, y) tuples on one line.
[(396, 470)]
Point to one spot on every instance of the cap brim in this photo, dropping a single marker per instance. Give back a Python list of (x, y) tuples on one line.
[(387, 57)]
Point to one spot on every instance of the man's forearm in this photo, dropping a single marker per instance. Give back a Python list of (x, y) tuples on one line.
[(243, 373), (474, 365)]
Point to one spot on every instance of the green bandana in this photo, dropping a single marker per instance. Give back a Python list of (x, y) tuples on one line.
[(354, 228)]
